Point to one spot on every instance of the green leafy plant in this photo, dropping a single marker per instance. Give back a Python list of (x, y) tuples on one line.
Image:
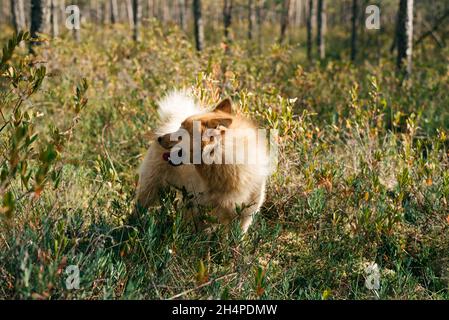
[(28, 159)]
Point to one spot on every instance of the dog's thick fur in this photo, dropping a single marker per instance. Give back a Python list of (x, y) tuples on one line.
[(228, 190)]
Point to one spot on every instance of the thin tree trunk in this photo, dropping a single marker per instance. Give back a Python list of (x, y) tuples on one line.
[(164, 10), (309, 28), (54, 9), (199, 27), (150, 9), (182, 14), (106, 8), (405, 36), (114, 11), (251, 19), (18, 15), (284, 19), (137, 10), (98, 12), (14, 15), (62, 12), (355, 19), (259, 19), (5, 11), (321, 25), (38, 13), (298, 12), (47, 15), (227, 17), (130, 13)]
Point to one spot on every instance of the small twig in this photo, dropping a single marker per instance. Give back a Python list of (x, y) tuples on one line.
[(203, 285)]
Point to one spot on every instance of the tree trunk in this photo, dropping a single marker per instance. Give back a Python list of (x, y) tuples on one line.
[(227, 17), (38, 13), (405, 36), (199, 27), (114, 11), (309, 28), (14, 16), (298, 12), (106, 8), (355, 19), (54, 9), (182, 14), (137, 10), (5, 11), (62, 12), (259, 19), (321, 25), (130, 13), (251, 19), (150, 9), (285, 15), (47, 15), (164, 11), (18, 15), (98, 12)]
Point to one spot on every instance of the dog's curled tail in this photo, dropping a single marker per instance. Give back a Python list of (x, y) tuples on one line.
[(174, 108)]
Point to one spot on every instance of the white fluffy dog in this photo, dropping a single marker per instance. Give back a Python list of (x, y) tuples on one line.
[(227, 189)]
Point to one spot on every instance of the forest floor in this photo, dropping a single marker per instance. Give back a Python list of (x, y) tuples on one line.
[(362, 177)]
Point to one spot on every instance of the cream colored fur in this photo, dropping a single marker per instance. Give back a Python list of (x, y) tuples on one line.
[(221, 187)]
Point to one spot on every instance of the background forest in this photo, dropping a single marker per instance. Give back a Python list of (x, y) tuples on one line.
[(358, 90)]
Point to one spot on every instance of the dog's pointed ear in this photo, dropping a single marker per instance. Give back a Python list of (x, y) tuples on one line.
[(219, 122), (224, 106)]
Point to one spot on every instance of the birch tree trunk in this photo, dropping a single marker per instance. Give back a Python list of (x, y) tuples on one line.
[(321, 25), (310, 13), (259, 19), (182, 14), (38, 13), (199, 27), (150, 9), (5, 11), (251, 19), (98, 12), (62, 12), (298, 12), (47, 15), (18, 15), (54, 18), (227, 17), (114, 11), (285, 15), (405, 36), (130, 13), (137, 10)]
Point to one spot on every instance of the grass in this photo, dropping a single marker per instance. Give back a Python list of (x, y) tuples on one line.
[(362, 175)]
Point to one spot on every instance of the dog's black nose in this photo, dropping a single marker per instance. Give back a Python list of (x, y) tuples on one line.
[(159, 139)]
